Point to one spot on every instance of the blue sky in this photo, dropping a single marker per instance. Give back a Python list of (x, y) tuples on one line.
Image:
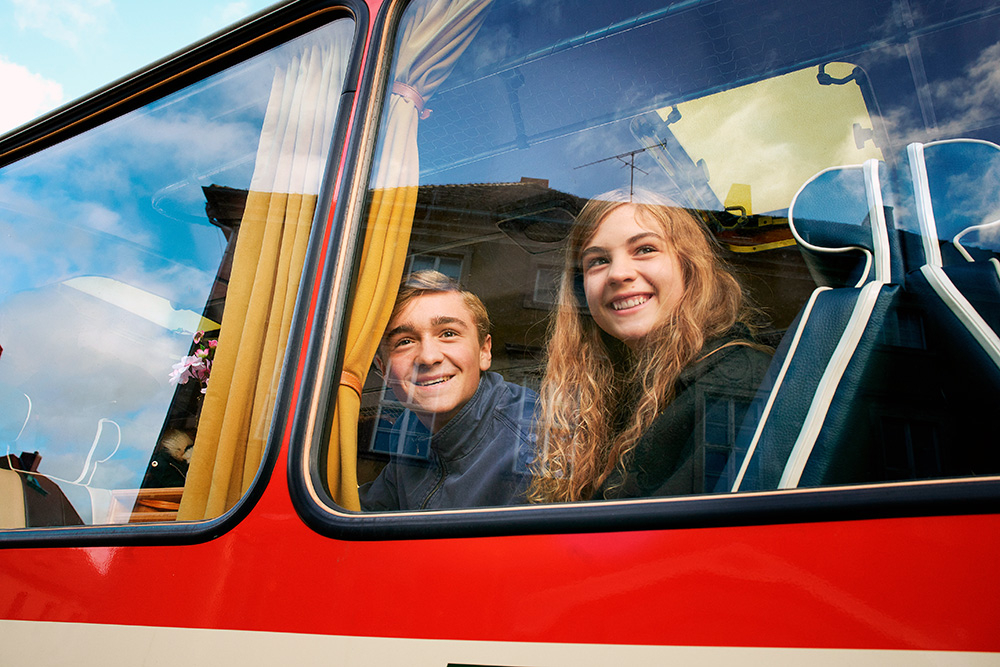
[(55, 51), (109, 226)]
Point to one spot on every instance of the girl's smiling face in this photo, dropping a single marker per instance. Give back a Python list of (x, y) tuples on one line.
[(631, 277)]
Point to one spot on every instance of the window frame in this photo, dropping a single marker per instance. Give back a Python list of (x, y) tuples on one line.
[(253, 36), (323, 365)]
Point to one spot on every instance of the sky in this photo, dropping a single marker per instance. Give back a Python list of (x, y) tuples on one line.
[(107, 236), (55, 51)]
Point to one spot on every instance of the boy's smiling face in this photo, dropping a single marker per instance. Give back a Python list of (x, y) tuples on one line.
[(432, 358)]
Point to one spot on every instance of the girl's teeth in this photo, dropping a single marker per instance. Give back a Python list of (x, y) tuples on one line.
[(630, 303)]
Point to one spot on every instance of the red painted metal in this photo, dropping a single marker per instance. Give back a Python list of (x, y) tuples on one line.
[(915, 583), (880, 584)]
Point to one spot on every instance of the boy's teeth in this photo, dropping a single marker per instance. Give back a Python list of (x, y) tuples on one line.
[(431, 382), (630, 303)]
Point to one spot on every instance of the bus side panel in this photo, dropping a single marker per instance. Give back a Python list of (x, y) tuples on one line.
[(921, 583)]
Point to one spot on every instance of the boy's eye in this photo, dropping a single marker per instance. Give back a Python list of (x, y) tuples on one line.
[(400, 342), (449, 333)]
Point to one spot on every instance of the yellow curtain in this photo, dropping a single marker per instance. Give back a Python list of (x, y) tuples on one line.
[(434, 34), (270, 250)]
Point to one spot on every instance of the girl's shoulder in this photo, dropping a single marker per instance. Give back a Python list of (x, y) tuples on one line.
[(736, 356)]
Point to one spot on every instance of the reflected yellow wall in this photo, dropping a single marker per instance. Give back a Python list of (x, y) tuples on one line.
[(775, 134)]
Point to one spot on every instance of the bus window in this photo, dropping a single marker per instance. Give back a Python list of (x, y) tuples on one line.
[(783, 131), (789, 140), (127, 277)]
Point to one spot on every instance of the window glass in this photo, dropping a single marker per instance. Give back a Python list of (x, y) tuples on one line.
[(800, 139), (118, 256)]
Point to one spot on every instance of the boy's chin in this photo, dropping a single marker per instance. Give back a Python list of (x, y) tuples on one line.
[(436, 416)]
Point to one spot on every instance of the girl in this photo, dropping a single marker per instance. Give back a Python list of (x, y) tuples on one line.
[(651, 334)]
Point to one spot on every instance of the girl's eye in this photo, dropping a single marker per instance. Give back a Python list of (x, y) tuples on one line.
[(594, 262), (646, 249)]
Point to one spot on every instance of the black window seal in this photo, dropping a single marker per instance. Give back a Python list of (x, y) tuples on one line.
[(258, 33), (950, 497)]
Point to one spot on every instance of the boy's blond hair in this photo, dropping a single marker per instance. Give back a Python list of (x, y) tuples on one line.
[(420, 283)]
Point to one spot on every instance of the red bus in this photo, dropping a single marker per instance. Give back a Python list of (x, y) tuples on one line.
[(220, 238)]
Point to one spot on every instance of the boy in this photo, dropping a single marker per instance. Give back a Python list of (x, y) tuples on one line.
[(466, 432)]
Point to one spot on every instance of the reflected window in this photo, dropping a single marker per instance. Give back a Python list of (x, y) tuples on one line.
[(449, 265), (123, 248)]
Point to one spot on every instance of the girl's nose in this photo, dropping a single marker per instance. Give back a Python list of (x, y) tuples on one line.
[(621, 271)]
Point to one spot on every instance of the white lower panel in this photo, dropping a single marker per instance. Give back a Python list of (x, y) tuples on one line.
[(38, 644)]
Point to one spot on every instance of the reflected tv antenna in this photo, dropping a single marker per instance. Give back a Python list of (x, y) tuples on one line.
[(627, 160)]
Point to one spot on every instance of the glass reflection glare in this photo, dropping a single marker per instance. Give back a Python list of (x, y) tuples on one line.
[(109, 257)]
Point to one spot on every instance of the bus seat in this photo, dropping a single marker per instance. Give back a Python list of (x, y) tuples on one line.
[(958, 279), (75, 501), (15, 410), (810, 403), (958, 286)]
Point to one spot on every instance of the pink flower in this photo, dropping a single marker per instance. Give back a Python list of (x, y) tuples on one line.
[(200, 370), (183, 370), (197, 366)]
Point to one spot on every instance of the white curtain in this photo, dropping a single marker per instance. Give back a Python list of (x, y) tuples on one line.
[(270, 250)]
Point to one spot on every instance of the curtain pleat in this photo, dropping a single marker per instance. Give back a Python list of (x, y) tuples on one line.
[(435, 34), (267, 265)]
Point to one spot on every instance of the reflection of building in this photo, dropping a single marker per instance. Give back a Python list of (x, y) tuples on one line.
[(501, 241), (504, 242), (28, 499)]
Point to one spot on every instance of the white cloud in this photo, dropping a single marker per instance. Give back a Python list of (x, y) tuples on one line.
[(961, 104), (26, 95), (63, 21), (974, 96), (100, 362), (224, 16)]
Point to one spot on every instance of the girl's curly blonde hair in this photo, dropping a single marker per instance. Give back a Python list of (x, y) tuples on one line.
[(598, 397)]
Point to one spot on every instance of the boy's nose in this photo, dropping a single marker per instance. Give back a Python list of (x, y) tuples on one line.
[(429, 354)]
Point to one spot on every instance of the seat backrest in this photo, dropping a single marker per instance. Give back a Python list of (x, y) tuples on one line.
[(955, 280), (828, 356), (956, 188)]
